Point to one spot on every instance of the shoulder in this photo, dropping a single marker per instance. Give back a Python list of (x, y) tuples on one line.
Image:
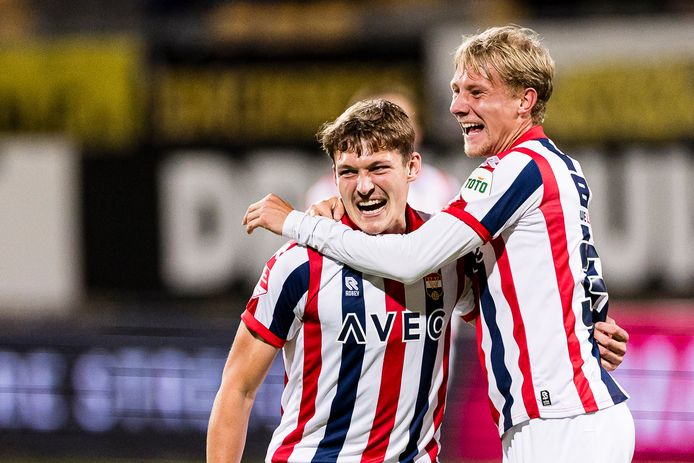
[(285, 262)]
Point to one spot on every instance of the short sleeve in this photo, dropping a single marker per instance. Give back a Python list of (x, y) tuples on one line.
[(275, 309)]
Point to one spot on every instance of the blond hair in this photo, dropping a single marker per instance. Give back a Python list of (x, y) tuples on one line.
[(369, 125), (518, 56)]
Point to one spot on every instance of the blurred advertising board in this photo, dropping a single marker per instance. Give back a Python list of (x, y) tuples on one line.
[(89, 386), (91, 90), (40, 249)]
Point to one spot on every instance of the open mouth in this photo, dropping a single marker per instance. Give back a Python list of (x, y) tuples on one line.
[(371, 205), (470, 128)]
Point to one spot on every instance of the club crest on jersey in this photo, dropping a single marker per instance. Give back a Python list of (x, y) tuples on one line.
[(351, 286), (433, 284), (478, 185)]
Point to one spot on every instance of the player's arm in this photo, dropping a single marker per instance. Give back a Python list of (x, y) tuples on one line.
[(247, 365), (612, 341), (406, 258)]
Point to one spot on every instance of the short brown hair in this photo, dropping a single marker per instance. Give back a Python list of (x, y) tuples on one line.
[(372, 125), (518, 56)]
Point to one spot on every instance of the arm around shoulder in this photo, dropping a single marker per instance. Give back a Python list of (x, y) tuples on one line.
[(246, 367), (406, 258)]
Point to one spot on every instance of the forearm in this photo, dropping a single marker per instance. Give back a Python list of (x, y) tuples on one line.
[(406, 258), (228, 426)]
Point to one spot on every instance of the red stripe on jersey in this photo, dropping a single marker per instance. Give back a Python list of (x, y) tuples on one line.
[(554, 217), (508, 287), (252, 305), (457, 210), (433, 446), (480, 353), (389, 393), (312, 359), (258, 328)]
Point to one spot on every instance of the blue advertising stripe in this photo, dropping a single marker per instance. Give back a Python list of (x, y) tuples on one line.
[(342, 406), (527, 182), (425, 378), (294, 287), (567, 160), (502, 376)]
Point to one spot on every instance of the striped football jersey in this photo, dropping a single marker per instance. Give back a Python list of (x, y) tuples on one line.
[(366, 358), (540, 284), (523, 214)]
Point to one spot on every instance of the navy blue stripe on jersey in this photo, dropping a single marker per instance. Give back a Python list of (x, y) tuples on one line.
[(350, 369), (615, 392), (294, 287), (527, 182), (567, 160), (501, 373), (434, 305)]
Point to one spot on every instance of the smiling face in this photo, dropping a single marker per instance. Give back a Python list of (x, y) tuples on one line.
[(374, 187), (490, 114)]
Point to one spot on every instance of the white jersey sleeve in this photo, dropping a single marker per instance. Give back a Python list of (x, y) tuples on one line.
[(406, 258)]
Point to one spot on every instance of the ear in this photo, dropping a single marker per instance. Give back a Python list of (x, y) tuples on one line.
[(528, 99), (414, 167), (334, 173)]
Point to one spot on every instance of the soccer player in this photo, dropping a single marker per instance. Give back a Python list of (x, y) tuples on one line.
[(433, 188), (524, 215), (366, 358)]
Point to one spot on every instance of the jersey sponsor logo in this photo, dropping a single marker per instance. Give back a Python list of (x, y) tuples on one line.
[(414, 326), (478, 185), (351, 286)]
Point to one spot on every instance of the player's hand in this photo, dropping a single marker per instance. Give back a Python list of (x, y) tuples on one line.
[(331, 207), (269, 213), (612, 341)]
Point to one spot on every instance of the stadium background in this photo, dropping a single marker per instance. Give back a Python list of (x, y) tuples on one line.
[(133, 134)]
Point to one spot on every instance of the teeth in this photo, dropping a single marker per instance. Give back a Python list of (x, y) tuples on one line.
[(469, 125), (371, 202)]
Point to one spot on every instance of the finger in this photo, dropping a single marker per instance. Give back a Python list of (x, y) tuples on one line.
[(321, 209), (620, 334), (250, 226), (607, 365), (338, 209), (609, 360), (616, 349)]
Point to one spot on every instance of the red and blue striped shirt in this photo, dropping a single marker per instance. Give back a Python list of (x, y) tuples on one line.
[(366, 358)]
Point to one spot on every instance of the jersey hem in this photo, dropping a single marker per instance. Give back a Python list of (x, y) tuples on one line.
[(556, 414), (261, 330)]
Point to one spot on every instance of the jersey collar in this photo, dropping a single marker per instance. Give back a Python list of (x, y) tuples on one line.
[(535, 132)]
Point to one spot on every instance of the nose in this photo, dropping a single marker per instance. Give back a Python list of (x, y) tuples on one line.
[(364, 184), (459, 105)]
